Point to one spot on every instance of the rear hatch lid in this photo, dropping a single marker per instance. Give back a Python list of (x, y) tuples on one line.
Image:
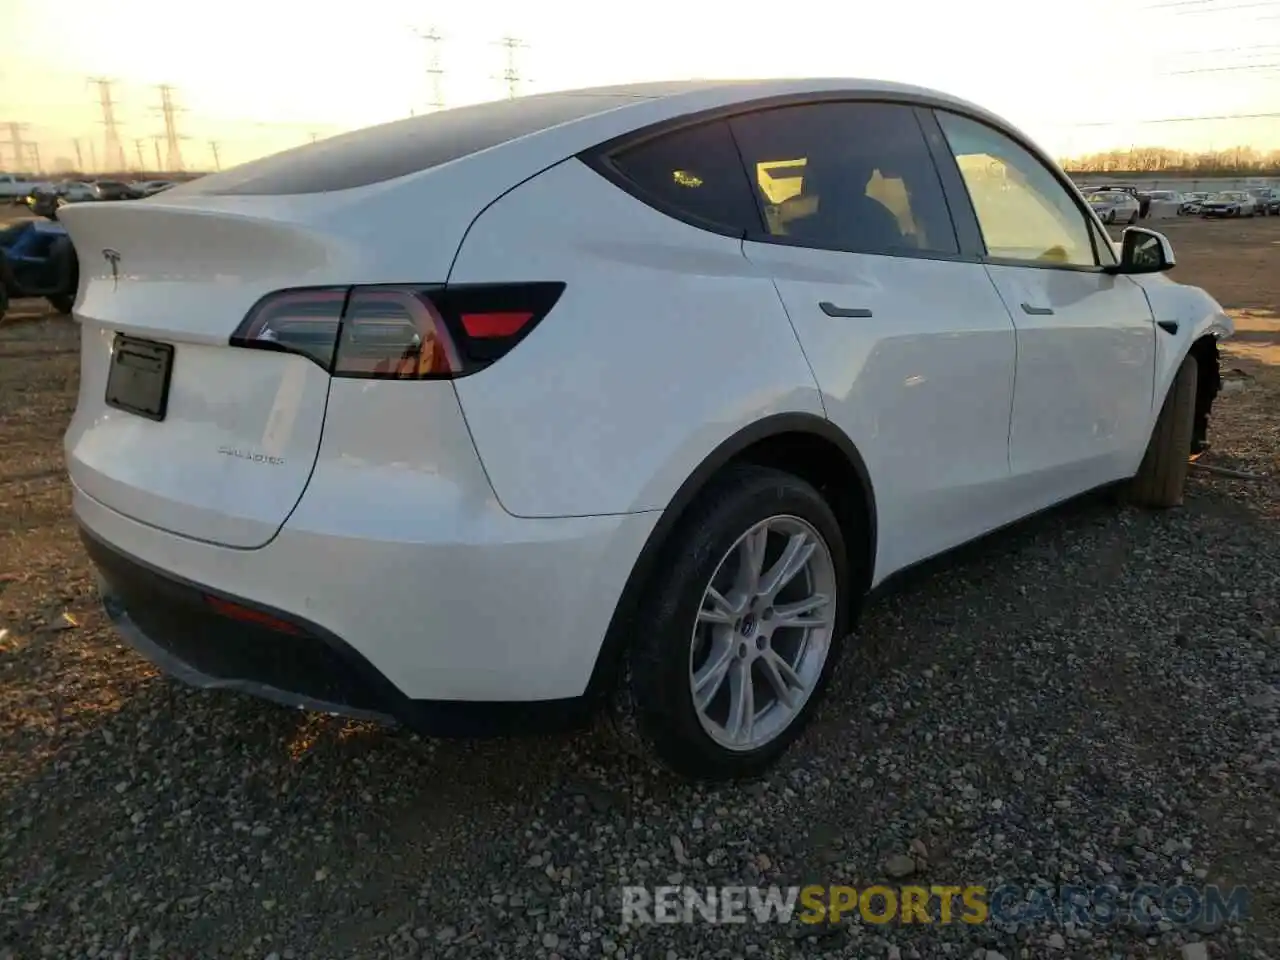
[(174, 427)]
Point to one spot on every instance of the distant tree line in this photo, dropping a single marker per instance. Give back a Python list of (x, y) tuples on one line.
[(1231, 162)]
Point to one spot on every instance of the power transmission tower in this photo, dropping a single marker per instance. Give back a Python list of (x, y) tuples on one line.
[(511, 74), (93, 158), (434, 70), (18, 145), (155, 142), (79, 155), (35, 153), (137, 145), (173, 141), (111, 131), (217, 161), (314, 136)]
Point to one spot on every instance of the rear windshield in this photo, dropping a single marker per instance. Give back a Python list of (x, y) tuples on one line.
[(401, 147)]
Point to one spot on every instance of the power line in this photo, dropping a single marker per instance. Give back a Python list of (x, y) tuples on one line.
[(173, 140), (434, 71), (16, 142), (110, 129), (1225, 116), (1241, 66), (511, 74)]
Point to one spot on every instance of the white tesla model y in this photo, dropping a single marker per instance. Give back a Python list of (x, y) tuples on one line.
[(625, 395)]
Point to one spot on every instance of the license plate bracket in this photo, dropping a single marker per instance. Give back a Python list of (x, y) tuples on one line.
[(138, 381)]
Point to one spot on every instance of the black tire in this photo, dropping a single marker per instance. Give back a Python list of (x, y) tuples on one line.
[(653, 705), (1162, 478), (62, 303), (1133, 218), (1111, 216)]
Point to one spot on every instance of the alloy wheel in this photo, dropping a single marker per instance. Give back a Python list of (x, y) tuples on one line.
[(763, 633)]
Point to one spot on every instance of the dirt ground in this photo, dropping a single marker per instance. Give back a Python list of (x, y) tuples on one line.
[(64, 674)]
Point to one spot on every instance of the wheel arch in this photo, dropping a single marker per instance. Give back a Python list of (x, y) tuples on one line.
[(801, 443)]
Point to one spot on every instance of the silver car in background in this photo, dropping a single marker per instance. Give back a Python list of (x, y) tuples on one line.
[(1115, 206)]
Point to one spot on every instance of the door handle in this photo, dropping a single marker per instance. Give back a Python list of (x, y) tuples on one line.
[(1168, 326), (1037, 311), (831, 310)]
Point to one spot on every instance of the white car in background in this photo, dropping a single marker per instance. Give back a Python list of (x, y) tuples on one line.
[(1115, 206), (620, 397)]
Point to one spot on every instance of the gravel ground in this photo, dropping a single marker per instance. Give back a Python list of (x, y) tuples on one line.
[(1093, 696)]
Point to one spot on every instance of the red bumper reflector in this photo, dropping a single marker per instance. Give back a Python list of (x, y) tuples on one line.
[(236, 612), (484, 325)]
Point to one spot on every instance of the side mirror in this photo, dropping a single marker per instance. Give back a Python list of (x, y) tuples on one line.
[(1145, 251)]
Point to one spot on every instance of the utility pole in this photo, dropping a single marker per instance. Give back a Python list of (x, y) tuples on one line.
[(111, 130), (35, 153), (169, 110), (79, 155), (511, 74), (434, 70), (217, 162), (155, 142), (18, 144), (314, 136), (137, 145)]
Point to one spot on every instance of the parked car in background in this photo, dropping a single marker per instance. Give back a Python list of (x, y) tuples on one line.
[(15, 188), (37, 260), (1191, 202), (1267, 200), (114, 190), (1165, 196), (690, 556), (149, 188), (1115, 206), (1229, 203)]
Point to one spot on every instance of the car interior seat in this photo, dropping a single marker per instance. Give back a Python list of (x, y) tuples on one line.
[(846, 216)]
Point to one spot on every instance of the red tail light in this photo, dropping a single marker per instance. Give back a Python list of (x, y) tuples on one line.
[(398, 332)]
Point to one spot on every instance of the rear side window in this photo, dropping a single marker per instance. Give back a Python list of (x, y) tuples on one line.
[(847, 176), (694, 174)]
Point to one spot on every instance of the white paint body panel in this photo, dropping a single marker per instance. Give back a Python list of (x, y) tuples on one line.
[(1085, 372), (402, 550), (923, 387), (667, 342)]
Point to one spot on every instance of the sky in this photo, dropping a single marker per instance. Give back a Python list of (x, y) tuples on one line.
[(257, 76)]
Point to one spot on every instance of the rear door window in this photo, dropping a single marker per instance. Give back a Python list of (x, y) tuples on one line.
[(694, 174), (847, 176)]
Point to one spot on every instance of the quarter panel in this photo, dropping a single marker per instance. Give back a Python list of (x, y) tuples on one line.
[(666, 342)]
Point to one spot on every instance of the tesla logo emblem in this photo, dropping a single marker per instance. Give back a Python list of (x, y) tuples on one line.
[(113, 257)]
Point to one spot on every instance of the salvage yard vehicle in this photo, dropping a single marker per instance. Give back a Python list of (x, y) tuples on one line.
[(1229, 203), (14, 188), (1267, 200), (605, 436), (37, 260), (1114, 206), (1191, 203)]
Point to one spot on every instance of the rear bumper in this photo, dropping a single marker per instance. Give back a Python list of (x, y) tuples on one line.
[(495, 624)]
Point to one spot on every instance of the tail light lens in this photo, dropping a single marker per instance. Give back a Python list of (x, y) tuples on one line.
[(399, 332)]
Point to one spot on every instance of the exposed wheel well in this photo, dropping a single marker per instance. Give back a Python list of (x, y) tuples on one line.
[(802, 444), (1205, 350)]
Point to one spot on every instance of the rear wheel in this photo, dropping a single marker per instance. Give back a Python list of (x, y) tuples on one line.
[(1111, 216), (742, 628), (1161, 480)]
